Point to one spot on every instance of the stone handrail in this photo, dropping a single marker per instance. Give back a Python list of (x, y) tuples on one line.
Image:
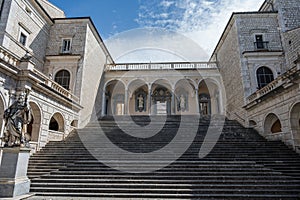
[(283, 80), (8, 57), (265, 90), (56, 87), (160, 66), (12, 59)]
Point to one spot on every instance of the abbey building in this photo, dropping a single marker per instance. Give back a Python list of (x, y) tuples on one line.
[(252, 76)]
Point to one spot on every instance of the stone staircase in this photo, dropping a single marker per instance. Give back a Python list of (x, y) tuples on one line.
[(242, 164)]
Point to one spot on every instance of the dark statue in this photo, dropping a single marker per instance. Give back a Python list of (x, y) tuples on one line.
[(16, 117)]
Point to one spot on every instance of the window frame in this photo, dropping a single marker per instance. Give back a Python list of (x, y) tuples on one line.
[(68, 50), (263, 79), (61, 80), (25, 33)]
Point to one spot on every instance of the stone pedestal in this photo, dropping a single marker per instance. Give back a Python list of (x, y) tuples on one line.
[(13, 172)]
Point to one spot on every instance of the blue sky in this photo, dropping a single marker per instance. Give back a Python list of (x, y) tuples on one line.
[(110, 16), (202, 21)]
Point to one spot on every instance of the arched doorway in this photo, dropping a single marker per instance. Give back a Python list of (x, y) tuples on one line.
[(115, 98), (57, 123), (161, 98), (272, 124), (33, 128), (295, 123), (209, 98)]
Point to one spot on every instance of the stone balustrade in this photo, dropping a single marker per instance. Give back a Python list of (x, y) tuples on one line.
[(8, 57), (283, 80), (58, 88), (161, 66)]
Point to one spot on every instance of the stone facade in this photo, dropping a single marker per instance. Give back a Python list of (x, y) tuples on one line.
[(258, 53), (252, 75), (188, 83), (33, 35)]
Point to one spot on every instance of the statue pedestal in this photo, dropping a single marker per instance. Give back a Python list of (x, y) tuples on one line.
[(13, 172)]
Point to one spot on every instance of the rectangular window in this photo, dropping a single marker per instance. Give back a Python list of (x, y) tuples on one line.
[(260, 44), (23, 35), (23, 38), (66, 46)]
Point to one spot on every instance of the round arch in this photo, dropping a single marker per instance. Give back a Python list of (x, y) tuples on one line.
[(138, 97), (272, 124), (135, 84), (295, 122), (57, 123), (161, 93), (187, 80), (210, 96), (114, 98), (185, 101), (34, 127), (161, 83)]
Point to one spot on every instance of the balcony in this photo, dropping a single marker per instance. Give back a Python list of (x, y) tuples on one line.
[(286, 80), (260, 46), (161, 66)]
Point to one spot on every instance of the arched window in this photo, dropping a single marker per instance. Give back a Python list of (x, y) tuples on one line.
[(264, 76), (63, 78)]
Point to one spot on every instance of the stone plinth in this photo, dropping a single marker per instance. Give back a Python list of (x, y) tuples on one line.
[(13, 172)]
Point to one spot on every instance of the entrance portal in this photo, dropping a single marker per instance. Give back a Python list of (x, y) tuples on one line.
[(161, 98)]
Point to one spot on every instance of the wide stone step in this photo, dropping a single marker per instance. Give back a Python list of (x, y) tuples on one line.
[(164, 185), (281, 181), (161, 191), (242, 164), (107, 196)]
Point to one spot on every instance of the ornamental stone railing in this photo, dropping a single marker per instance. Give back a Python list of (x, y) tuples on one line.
[(160, 66), (282, 81), (8, 57), (57, 88), (13, 60)]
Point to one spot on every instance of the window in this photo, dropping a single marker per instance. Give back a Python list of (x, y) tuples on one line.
[(23, 35), (264, 76), (260, 43), (66, 46), (63, 78), (23, 39)]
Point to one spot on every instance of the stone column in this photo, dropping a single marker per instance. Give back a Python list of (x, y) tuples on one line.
[(126, 102), (197, 102), (149, 101), (103, 104), (13, 172), (173, 106)]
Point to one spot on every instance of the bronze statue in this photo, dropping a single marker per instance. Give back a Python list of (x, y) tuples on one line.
[(16, 117)]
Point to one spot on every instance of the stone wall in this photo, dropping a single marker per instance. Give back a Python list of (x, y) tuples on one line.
[(291, 41), (250, 25), (48, 107), (53, 11), (280, 105), (228, 57), (289, 14), (23, 15), (76, 30), (92, 72)]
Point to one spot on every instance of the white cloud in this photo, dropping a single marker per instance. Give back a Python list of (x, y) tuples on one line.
[(167, 4), (153, 45), (201, 20)]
